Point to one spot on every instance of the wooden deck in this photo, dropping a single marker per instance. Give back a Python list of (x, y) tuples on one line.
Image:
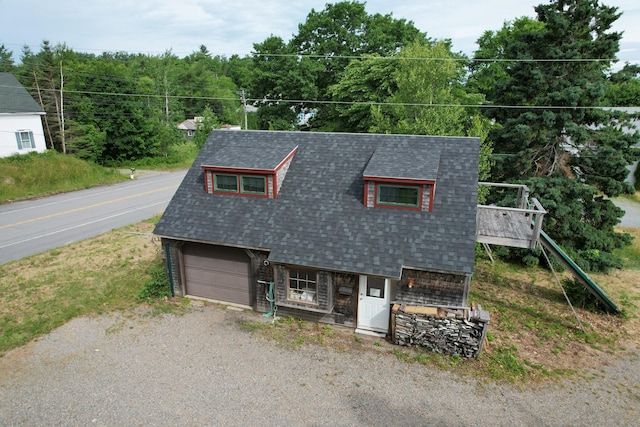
[(504, 228), (515, 227)]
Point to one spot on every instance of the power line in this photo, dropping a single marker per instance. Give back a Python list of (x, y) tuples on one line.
[(266, 100)]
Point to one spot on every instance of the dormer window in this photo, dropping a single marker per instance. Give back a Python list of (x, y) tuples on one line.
[(252, 171), (398, 195), (401, 177), (244, 184)]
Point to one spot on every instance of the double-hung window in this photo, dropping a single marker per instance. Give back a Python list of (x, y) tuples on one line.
[(25, 140)]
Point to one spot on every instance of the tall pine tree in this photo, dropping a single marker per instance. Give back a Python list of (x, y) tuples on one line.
[(553, 136)]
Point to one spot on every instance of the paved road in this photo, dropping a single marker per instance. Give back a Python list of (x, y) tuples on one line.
[(631, 216), (34, 226)]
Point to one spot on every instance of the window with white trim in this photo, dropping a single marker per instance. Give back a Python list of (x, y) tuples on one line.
[(25, 140), (303, 286)]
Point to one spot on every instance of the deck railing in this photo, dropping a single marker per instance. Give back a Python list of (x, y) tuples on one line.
[(511, 226)]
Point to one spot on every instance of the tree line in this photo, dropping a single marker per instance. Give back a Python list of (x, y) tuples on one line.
[(537, 93)]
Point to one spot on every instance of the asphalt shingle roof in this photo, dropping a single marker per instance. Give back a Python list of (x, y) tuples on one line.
[(256, 155), (409, 162), (14, 98), (319, 219)]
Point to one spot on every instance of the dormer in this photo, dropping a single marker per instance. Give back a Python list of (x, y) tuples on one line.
[(401, 178), (248, 170)]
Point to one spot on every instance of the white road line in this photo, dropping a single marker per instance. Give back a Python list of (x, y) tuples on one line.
[(81, 225)]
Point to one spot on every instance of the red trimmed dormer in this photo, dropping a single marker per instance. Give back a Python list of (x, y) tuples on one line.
[(401, 178), (249, 171)]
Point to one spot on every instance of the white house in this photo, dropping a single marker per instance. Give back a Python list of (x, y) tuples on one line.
[(20, 119)]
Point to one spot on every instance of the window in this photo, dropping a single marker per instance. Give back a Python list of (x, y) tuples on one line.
[(249, 184), (253, 184), (375, 287), (398, 195), (228, 183), (25, 140), (302, 286)]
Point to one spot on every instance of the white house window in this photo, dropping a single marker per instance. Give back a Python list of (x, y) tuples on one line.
[(25, 140), (303, 286), (398, 195)]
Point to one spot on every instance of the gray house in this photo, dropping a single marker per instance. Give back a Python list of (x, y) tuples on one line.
[(338, 227)]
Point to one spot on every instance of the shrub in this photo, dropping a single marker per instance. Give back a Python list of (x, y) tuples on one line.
[(157, 286), (581, 296)]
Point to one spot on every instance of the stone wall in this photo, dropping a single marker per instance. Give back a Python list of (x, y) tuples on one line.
[(442, 330)]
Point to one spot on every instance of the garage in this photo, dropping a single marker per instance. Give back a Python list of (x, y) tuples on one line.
[(218, 273)]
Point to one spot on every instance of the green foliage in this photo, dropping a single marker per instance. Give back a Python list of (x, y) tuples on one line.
[(6, 60), (179, 156), (157, 286), (580, 296), (624, 90), (571, 155), (579, 219), (204, 126), (345, 29), (505, 364), (410, 89), (123, 107), (278, 74), (40, 174)]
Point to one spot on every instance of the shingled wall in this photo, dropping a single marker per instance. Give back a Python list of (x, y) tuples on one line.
[(432, 288)]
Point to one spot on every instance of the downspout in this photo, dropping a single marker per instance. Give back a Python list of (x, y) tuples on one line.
[(167, 250)]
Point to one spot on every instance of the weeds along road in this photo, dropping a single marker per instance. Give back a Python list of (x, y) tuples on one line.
[(33, 226)]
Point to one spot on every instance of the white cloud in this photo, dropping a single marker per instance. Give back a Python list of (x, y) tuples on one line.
[(228, 27)]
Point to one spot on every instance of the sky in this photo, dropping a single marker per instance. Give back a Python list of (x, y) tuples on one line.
[(229, 27)]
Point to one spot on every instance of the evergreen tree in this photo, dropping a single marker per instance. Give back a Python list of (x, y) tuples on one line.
[(552, 129), (6, 60)]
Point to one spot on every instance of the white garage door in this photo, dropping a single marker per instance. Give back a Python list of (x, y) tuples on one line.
[(217, 273)]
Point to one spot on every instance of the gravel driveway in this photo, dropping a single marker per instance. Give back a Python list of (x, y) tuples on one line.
[(202, 368)]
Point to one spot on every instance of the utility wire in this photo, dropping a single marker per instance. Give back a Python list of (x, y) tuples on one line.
[(266, 100)]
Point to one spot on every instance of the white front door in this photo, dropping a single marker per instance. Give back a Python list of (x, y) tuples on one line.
[(373, 305)]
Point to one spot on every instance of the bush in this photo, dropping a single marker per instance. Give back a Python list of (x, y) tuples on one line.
[(581, 296), (157, 286)]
